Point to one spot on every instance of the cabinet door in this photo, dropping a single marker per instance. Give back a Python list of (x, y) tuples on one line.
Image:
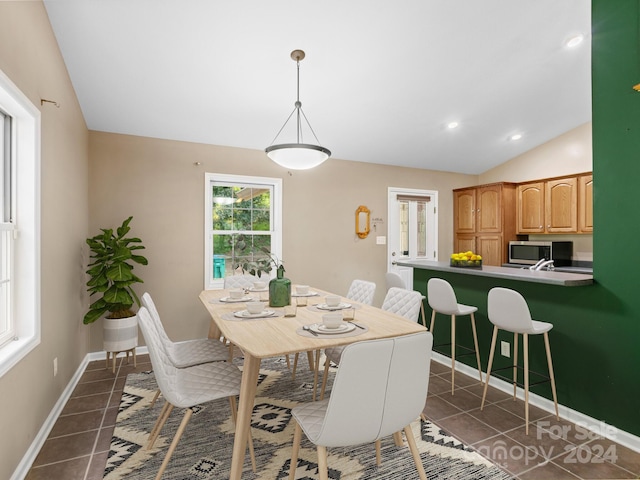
[(490, 247), (585, 204), (489, 209), (531, 208), (561, 205), (464, 243), (464, 213)]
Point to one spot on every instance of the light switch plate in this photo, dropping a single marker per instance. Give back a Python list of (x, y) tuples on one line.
[(381, 240), (505, 349)]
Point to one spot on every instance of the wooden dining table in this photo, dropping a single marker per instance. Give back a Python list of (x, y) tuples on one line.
[(279, 335)]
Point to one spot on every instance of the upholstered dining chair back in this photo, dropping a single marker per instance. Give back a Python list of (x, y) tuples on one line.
[(362, 291), (403, 302), (241, 281), (164, 370), (508, 310), (385, 380)]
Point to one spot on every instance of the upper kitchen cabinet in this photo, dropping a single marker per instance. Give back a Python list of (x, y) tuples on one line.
[(551, 206), (484, 220), (585, 203)]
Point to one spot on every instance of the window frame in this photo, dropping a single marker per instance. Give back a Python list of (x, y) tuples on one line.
[(275, 184), (25, 219)]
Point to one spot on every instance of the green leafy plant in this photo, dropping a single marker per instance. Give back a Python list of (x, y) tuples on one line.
[(111, 272), (259, 266)]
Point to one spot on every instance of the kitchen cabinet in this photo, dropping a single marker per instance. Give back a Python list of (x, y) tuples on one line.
[(548, 206), (484, 220), (585, 203)]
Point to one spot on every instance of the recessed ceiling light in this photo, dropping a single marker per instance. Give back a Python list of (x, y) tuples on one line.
[(515, 136), (574, 40), (452, 125)]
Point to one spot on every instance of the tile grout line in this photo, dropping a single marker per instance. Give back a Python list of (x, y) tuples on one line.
[(104, 415)]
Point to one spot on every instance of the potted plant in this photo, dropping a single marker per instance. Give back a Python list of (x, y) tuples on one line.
[(279, 287), (111, 278)]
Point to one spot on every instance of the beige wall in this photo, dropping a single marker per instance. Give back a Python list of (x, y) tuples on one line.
[(567, 154), (30, 58), (158, 183)]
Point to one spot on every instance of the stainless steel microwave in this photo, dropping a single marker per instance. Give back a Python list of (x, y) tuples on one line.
[(529, 252)]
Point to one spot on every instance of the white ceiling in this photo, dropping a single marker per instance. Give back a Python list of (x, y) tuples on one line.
[(379, 81)]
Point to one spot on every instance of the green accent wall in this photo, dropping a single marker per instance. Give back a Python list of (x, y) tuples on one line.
[(595, 341)]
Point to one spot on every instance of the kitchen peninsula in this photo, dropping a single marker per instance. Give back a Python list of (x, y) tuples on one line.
[(566, 300), (519, 274)]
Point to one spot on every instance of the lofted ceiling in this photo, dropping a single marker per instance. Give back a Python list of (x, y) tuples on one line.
[(380, 81)]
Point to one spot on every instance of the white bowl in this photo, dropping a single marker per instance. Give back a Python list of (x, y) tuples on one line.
[(255, 307), (332, 300), (259, 285), (236, 293), (302, 289), (332, 320)]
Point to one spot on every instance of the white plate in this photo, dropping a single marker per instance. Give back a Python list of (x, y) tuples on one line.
[(320, 328), (246, 314), (310, 294), (340, 306), (236, 300), (258, 290)]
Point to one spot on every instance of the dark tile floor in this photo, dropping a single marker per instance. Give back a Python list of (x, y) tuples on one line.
[(78, 445)]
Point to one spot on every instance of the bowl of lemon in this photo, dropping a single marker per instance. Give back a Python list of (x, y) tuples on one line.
[(466, 260)]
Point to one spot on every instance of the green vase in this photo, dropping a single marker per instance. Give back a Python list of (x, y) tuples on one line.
[(279, 290)]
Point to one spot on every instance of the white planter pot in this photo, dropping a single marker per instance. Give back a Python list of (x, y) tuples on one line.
[(120, 334)]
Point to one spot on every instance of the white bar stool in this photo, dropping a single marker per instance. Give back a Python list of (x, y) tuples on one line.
[(508, 310), (442, 299)]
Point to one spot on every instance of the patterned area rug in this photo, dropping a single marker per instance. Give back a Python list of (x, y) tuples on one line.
[(204, 452)]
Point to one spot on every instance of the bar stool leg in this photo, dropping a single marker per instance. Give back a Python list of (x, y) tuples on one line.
[(453, 351), (525, 351), (515, 364), (475, 344), (433, 321), (493, 349), (551, 376)]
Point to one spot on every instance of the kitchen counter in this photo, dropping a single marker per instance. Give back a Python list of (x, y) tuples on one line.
[(553, 277)]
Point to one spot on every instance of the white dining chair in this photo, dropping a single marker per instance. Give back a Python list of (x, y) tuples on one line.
[(186, 387), (405, 303), (240, 281), (442, 299), (394, 280), (362, 291), (188, 352), (387, 382), (508, 310)]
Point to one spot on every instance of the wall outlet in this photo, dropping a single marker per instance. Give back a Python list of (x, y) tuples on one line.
[(55, 366), (505, 349)]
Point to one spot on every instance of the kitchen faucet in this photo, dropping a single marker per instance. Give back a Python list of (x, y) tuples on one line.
[(542, 263)]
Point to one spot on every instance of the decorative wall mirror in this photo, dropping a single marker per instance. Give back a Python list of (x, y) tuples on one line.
[(362, 221)]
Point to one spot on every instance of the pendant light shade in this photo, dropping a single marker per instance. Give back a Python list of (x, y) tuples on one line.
[(298, 155)]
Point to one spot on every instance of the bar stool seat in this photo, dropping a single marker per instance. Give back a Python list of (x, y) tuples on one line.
[(442, 299), (508, 311)]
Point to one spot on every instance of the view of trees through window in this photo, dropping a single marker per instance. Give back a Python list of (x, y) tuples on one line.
[(241, 225)]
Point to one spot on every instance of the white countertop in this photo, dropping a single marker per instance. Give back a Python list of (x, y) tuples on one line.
[(510, 273)]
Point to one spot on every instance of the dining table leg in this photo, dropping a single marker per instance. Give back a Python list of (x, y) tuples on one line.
[(248, 389)]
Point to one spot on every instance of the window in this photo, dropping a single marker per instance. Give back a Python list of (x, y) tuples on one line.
[(19, 225), (243, 222)]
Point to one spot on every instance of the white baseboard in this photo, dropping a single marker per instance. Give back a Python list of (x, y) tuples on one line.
[(27, 460), (597, 426)]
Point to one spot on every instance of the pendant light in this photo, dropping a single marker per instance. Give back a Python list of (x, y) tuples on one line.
[(299, 155)]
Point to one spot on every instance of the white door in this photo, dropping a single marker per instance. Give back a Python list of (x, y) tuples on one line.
[(413, 229)]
